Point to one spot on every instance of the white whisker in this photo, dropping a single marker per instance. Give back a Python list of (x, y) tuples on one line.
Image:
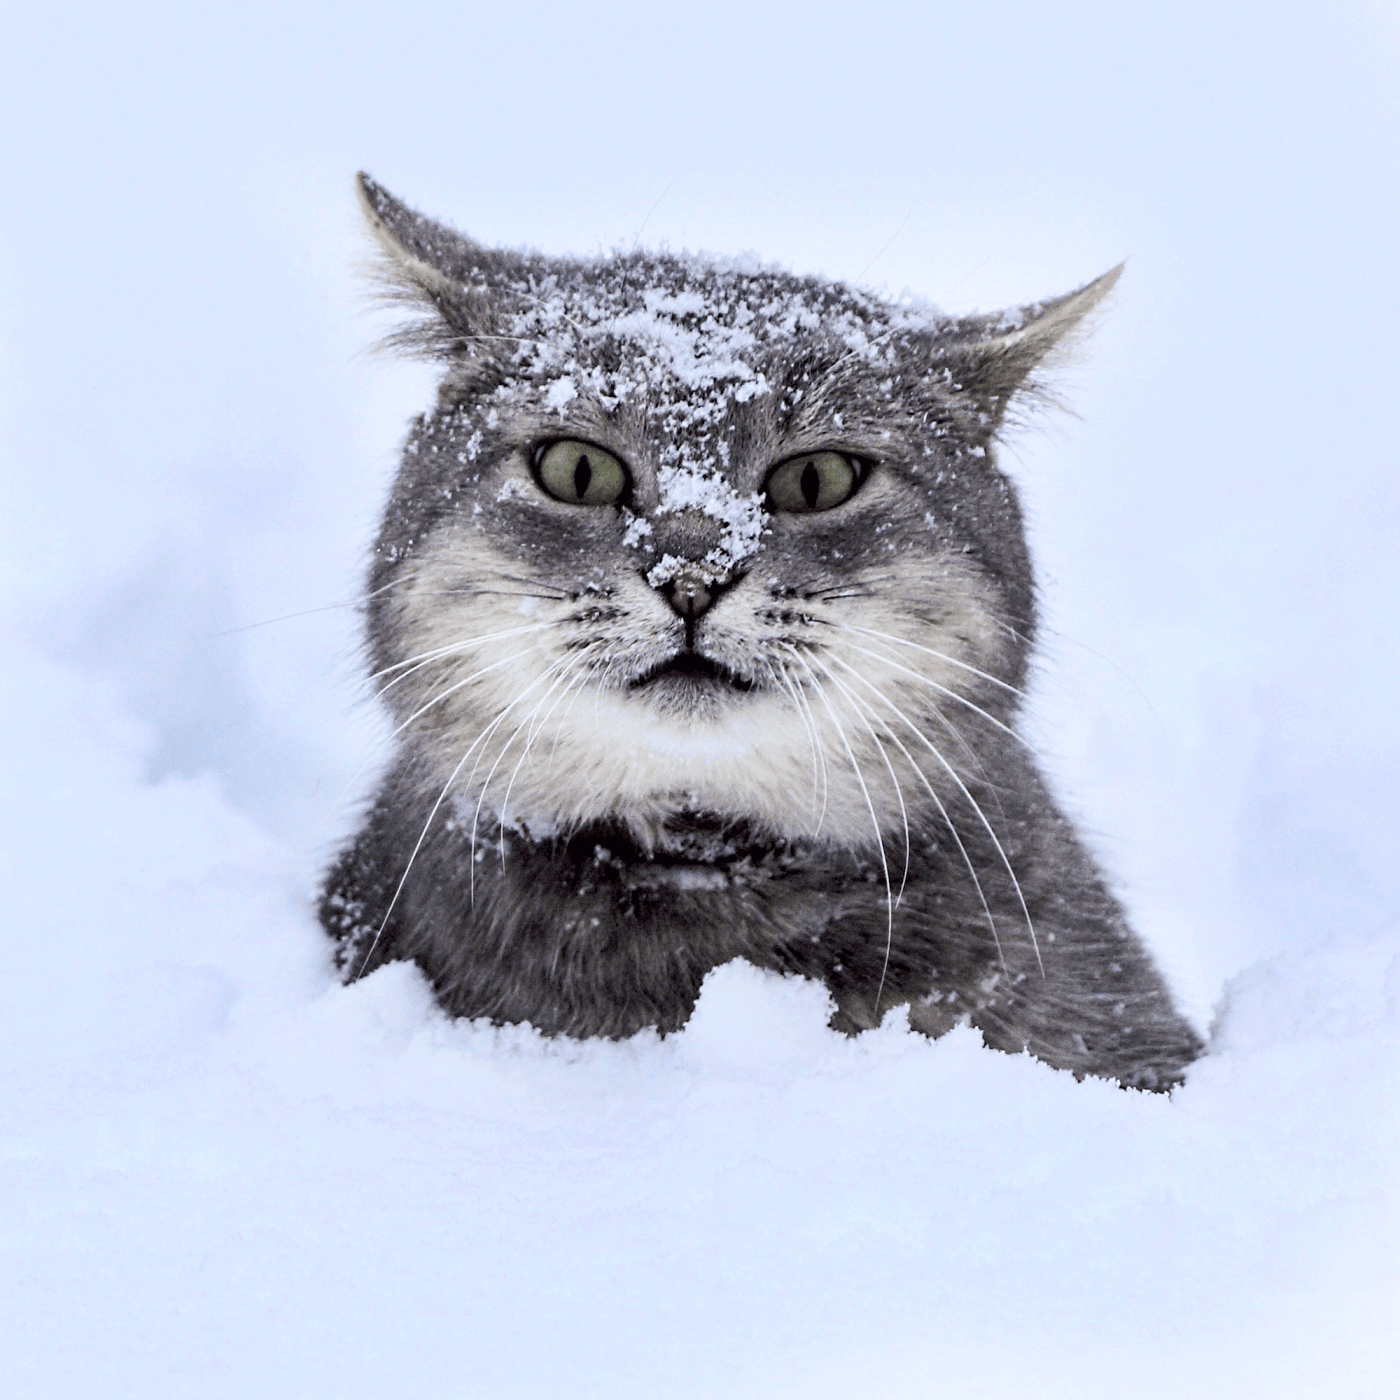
[(938, 655), (555, 670), (804, 714), (424, 658), (574, 680), (417, 846), (972, 801), (452, 689), (904, 816), (894, 777), (942, 812), (953, 731), (942, 690), (865, 792)]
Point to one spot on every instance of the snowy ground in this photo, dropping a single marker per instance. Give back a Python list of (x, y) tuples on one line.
[(223, 1175)]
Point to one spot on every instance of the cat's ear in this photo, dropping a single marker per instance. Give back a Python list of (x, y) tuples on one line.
[(1001, 357), (459, 286)]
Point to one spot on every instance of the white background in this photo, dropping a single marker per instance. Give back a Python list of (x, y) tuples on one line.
[(224, 1175)]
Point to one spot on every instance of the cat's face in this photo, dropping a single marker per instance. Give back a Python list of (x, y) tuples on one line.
[(693, 537)]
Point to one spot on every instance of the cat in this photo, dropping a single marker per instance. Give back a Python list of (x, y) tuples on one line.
[(704, 612)]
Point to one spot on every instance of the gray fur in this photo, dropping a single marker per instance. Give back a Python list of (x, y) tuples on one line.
[(599, 794)]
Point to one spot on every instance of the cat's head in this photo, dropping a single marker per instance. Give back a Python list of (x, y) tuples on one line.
[(692, 535)]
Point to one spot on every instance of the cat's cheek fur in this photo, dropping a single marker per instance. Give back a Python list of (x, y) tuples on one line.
[(571, 750), (495, 684)]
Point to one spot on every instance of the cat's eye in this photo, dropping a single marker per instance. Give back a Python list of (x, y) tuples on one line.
[(816, 481), (581, 474)]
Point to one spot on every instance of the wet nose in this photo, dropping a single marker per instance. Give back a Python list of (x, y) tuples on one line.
[(690, 597)]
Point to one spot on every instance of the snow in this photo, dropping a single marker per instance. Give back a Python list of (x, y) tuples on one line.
[(560, 393), (225, 1175)]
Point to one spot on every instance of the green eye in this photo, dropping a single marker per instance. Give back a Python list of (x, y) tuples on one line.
[(817, 481), (581, 474)]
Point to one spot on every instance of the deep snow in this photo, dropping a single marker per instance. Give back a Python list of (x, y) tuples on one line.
[(223, 1175)]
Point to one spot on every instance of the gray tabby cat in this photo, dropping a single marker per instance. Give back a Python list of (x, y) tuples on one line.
[(704, 612)]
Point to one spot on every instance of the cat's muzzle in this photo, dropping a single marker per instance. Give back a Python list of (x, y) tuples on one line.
[(689, 665)]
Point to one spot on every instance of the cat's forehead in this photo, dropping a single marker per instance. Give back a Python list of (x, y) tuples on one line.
[(738, 293), (690, 324)]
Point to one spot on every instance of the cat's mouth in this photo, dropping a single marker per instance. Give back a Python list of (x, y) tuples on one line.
[(689, 667)]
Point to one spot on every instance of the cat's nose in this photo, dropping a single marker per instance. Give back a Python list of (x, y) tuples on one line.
[(689, 596)]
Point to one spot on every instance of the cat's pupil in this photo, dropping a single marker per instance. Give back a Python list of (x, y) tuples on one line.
[(811, 484), (583, 474)]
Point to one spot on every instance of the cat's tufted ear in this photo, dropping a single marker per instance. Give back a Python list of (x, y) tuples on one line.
[(459, 286), (999, 357)]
